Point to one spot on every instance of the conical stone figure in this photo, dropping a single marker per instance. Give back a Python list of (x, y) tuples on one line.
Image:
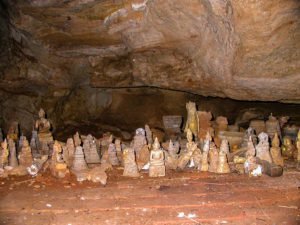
[(79, 163), (90, 150), (130, 166), (276, 151), (119, 150), (223, 166), (13, 161), (34, 144), (157, 165), (69, 152), (213, 158), (25, 156), (206, 147), (112, 155), (263, 148)]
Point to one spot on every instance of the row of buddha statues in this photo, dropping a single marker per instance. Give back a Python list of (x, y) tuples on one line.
[(202, 148)]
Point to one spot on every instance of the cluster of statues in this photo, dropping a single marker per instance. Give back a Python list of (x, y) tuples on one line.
[(207, 146)]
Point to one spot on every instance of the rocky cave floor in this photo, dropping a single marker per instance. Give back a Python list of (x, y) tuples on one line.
[(188, 197)]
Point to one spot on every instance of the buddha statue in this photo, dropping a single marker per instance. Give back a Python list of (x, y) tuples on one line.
[(171, 156), (276, 151), (272, 127), (13, 161), (263, 147), (288, 148), (192, 118), (25, 156), (4, 154), (112, 155), (90, 150), (250, 163), (213, 158), (43, 126), (139, 141), (130, 166), (206, 147), (13, 131), (223, 166), (79, 163), (186, 156), (157, 165), (58, 166)]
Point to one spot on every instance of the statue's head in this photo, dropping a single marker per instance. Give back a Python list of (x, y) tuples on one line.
[(42, 113), (156, 145), (191, 107)]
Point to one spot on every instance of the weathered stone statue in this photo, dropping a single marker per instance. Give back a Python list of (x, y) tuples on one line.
[(157, 165), (90, 150), (13, 161), (13, 131), (249, 132), (58, 167), (119, 150), (34, 145), (139, 140), (206, 147), (142, 158), (287, 148), (4, 154), (25, 157), (79, 163), (43, 126), (263, 147), (171, 157), (250, 163), (112, 155), (272, 127), (149, 136), (186, 156), (213, 158), (276, 151), (204, 119), (37, 165), (192, 118), (223, 166), (130, 166), (77, 139), (69, 152)]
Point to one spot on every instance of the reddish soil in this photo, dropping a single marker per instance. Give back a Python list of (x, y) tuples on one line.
[(212, 198)]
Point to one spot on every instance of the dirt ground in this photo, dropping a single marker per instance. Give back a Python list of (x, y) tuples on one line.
[(189, 197)]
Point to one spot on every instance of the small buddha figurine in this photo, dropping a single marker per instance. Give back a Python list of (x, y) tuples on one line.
[(13, 131), (13, 161), (185, 157), (139, 140), (213, 158), (58, 167), (223, 166), (157, 165), (112, 155), (192, 118), (272, 127), (206, 147), (171, 155), (263, 148), (25, 156), (250, 163), (276, 151), (288, 148), (130, 166), (149, 136), (4, 154), (43, 126)]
